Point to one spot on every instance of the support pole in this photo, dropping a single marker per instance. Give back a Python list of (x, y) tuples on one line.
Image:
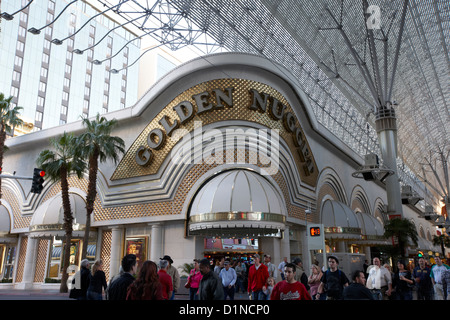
[(386, 125)]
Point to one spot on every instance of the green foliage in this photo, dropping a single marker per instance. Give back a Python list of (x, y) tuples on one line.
[(64, 157), (402, 230)]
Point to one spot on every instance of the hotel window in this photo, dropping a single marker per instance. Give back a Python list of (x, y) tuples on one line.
[(42, 86), (23, 17), (44, 72), (49, 31), (46, 44), (64, 110), (16, 76), (20, 46), (22, 31), (65, 97), (14, 92), (18, 61), (38, 117), (40, 101), (51, 5), (68, 68), (45, 58), (70, 42)]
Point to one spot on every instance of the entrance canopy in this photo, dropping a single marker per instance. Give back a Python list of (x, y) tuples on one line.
[(372, 229), (5, 226), (237, 203), (48, 219), (339, 221)]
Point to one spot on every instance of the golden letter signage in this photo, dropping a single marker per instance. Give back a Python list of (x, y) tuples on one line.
[(214, 101)]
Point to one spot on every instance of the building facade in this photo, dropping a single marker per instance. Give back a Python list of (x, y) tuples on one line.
[(55, 74), (224, 158)]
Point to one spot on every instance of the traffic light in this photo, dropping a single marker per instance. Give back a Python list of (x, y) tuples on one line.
[(420, 254), (38, 180)]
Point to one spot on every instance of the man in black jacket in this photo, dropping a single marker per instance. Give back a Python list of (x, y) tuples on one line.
[(357, 289), (118, 289), (210, 286)]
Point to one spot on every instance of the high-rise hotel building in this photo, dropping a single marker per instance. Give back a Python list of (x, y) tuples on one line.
[(52, 82)]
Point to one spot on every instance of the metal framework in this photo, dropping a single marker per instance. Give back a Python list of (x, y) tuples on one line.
[(344, 53)]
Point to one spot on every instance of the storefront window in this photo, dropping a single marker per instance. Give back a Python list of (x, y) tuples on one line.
[(57, 257), (138, 247), (7, 257)]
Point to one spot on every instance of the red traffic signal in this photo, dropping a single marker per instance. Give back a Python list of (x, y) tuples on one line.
[(38, 180)]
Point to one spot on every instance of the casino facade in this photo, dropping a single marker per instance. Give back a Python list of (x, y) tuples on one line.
[(224, 157)]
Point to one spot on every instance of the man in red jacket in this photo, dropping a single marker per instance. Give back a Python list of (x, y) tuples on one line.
[(257, 277), (289, 289)]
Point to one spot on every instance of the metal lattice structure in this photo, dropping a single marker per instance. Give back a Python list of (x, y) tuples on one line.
[(304, 37), (351, 59)]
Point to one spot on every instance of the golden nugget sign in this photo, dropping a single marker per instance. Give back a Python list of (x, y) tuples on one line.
[(214, 101)]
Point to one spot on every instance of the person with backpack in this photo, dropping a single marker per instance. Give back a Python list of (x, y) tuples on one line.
[(333, 281)]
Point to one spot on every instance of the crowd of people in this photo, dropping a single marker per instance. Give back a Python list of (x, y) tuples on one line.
[(259, 280)]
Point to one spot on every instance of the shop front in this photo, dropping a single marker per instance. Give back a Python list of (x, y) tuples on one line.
[(224, 158)]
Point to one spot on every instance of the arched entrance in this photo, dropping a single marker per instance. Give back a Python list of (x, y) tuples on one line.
[(237, 213)]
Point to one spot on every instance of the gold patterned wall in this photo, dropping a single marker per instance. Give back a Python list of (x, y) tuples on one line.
[(128, 167), (21, 259), (41, 261), (105, 253)]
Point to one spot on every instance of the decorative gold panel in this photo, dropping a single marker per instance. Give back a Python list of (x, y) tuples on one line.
[(21, 259), (105, 253), (128, 167), (41, 260)]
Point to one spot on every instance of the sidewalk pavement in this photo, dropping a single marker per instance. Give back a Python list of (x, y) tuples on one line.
[(53, 294)]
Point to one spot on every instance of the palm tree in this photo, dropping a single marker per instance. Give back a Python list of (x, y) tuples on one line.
[(9, 118), (58, 166), (402, 230), (443, 241), (97, 144)]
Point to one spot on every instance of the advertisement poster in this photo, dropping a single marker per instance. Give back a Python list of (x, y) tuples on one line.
[(138, 247)]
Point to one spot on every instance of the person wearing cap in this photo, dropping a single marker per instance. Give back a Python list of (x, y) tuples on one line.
[(210, 286), (333, 281), (257, 278), (228, 277), (173, 273)]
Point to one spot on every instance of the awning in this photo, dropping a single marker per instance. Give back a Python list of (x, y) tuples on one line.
[(5, 227), (372, 230), (48, 219), (237, 203), (339, 221)]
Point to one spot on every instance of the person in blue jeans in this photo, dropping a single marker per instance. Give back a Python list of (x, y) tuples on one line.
[(403, 282)]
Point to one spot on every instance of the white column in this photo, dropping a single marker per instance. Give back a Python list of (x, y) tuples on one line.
[(156, 242), (116, 251), (285, 245), (30, 263)]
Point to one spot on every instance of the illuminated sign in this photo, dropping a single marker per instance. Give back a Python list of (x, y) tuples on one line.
[(314, 231)]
